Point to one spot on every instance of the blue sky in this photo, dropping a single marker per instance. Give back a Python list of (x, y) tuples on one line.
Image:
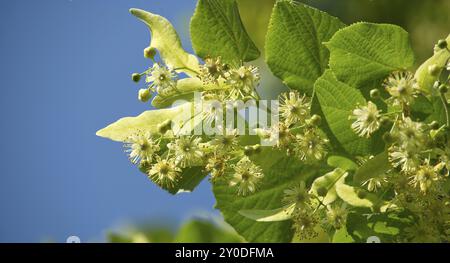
[(64, 73)]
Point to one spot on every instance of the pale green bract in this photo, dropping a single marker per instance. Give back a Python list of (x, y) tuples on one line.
[(329, 182), (279, 214), (122, 129), (423, 75), (165, 39)]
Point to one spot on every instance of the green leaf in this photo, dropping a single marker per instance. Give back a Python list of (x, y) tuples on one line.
[(375, 167), (342, 162), (217, 30), (149, 120), (337, 101), (342, 236), (424, 78), (328, 182), (279, 214), (386, 226), (190, 178), (165, 39), (294, 46), (284, 173), (364, 53)]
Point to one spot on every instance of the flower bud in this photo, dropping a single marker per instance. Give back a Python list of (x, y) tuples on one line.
[(257, 148), (144, 95), (361, 193), (434, 125), (375, 93), (316, 120), (443, 89), (248, 150), (136, 77), (442, 44), (150, 53)]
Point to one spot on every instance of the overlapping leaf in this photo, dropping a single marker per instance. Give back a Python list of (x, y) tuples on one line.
[(217, 31), (294, 47), (365, 53)]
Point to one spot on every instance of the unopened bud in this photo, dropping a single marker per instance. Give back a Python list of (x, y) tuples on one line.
[(361, 193), (257, 148), (375, 93), (136, 77), (144, 95), (316, 120), (443, 89), (150, 53), (442, 44), (248, 150), (434, 125)]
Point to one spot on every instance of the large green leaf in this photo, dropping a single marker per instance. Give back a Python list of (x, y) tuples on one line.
[(423, 75), (165, 39), (337, 101), (364, 53), (294, 47), (182, 116), (217, 30), (284, 173)]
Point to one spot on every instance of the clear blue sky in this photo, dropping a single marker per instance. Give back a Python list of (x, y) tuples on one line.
[(64, 73)]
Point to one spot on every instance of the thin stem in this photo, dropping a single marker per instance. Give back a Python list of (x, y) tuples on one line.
[(444, 103)]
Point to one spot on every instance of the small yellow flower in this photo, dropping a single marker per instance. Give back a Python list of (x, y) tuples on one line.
[(164, 173), (141, 147), (310, 146), (294, 108), (246, 176), (187, 151), (297, 195), (402, 87), (163, 78), (367, 120)]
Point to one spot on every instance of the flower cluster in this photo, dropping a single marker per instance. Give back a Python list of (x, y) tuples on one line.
[(418, 152)]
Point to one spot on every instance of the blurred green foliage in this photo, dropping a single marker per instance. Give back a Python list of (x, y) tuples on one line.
[(192, 231), (425, 20)]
